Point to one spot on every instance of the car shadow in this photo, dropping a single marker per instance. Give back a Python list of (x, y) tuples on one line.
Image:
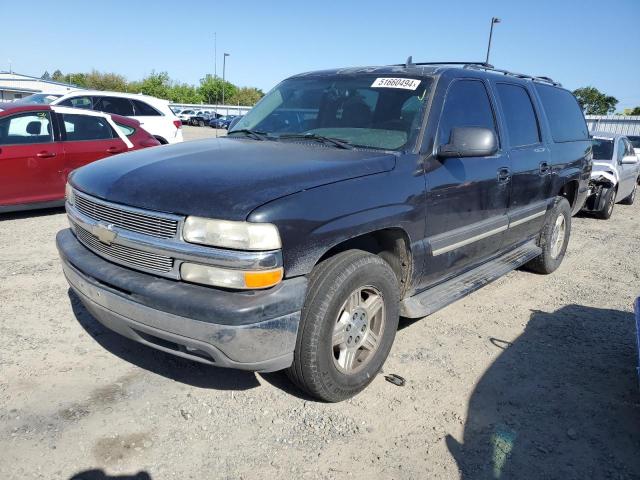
[(561, 401), (44, 212), (170, 366), (101, 475)]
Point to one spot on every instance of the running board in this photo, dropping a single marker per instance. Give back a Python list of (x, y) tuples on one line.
[(435, 298)]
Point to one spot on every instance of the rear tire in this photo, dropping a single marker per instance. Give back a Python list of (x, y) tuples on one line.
[(348, 324), (201, 123), (554, 238), (631, 198)]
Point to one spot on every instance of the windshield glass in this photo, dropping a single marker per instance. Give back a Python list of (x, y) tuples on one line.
[(635, 141), (38, 98), (602, 149), (364, 110)]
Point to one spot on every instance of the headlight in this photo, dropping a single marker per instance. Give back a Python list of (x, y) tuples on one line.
[(68, 193), (224, 277), (228, 234)]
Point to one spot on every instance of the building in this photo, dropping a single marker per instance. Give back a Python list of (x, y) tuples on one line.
[(622, 124), (14, 86)]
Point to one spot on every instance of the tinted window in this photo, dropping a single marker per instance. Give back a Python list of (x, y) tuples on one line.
[(127, 130), (467, 105), (564, 114), (522, 124), (86, 127), (621, 150), (602, 149), (26, 128), (78, 102), (119, 106), (635, 141), (143, 109)]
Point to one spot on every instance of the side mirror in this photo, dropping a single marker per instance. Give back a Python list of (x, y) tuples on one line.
[(469, 142), (629, 160)]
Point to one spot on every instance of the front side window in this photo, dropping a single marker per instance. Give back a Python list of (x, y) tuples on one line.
[(622, 148), (80, 128), (602, 149), (26, 128), (563, 112), (467, 105), (520, 117), (78, 102), (117, 105), (362, 110)]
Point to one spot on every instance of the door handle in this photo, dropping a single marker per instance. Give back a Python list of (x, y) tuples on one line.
[(545, 168), (114, 150), (46, 155), (504, 175)]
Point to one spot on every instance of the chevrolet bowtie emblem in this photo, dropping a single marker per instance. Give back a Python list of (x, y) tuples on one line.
[(105, 233)]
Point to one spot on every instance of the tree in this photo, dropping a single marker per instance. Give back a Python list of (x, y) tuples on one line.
[(57, 76), (45, 75), (156, 85), (248, 96), (594, 102), (105, 81), (211, 89), (634, 111), (184, 93)]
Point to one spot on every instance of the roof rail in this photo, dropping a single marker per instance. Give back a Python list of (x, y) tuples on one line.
[(410, 63), (476, 66)]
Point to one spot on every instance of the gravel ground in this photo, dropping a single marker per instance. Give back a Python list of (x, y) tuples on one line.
[(530, 377)]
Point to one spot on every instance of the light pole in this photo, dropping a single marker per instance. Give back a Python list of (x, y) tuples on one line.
[(224, 65), (493, 21)]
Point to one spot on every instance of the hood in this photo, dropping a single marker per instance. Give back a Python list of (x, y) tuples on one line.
[(223, 178), (606, 170)]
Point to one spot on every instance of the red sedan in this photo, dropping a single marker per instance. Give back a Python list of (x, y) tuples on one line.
[(41, 144)]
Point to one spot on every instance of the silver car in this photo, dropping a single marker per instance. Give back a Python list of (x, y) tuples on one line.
[(615, 174)]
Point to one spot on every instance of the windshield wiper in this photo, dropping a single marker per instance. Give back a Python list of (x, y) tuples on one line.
[(255, 134), (320, 138)]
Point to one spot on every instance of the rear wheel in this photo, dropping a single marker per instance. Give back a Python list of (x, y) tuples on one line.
[(201, 123), (631, 198), (347, 327), (554, 238)]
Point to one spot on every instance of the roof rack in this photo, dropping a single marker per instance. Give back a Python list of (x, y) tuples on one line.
[(483, 66), (490, 68)]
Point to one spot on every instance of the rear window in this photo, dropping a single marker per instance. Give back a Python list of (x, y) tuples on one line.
[(564, 114), (602, 149)]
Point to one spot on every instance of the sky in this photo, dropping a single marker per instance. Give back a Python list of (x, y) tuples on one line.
[(575, 42)]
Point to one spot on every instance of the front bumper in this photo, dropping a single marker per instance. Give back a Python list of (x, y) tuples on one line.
[(249, 330)]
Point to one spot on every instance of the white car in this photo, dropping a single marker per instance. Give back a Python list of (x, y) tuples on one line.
[(186, 115), (153, 113)]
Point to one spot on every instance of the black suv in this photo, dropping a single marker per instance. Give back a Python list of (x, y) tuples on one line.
[(343, 200)]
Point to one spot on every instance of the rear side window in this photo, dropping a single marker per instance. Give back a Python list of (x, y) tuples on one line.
[(522, 124), (117, 105), (563, 112), (78, 102), (144, 109), (127, 130), (467, 105), (26, 128), (86, 127)]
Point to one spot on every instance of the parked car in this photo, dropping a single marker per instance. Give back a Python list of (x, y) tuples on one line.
[(185, 115), (200, 119), (221, 122), (615, 174), (41, 144), (344, 199), (154, 114), (38, 99), (635, 142)]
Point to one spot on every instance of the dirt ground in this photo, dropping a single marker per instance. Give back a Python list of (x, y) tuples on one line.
[(530, 377)]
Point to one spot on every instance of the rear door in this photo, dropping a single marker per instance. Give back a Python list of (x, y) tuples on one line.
[(152, 120), (627, 171), (31, 161), (530, 162), (87, 138), (466, 197)]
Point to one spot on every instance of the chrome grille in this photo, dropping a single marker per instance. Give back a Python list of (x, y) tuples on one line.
[(127, 256), (127, 219)]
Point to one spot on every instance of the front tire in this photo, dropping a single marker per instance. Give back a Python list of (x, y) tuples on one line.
[(348, 324), (631, 198), (609, 203), (554, 238)]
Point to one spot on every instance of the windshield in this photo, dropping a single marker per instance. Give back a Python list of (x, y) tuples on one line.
[(635, 141), (363, 111), (38, 99), (602, 149)]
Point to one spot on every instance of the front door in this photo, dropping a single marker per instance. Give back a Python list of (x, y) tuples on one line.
[(466, 197), (30, 160), (530, 163)]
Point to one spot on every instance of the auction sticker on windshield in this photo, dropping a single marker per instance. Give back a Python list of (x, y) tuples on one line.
[(406, 83)]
